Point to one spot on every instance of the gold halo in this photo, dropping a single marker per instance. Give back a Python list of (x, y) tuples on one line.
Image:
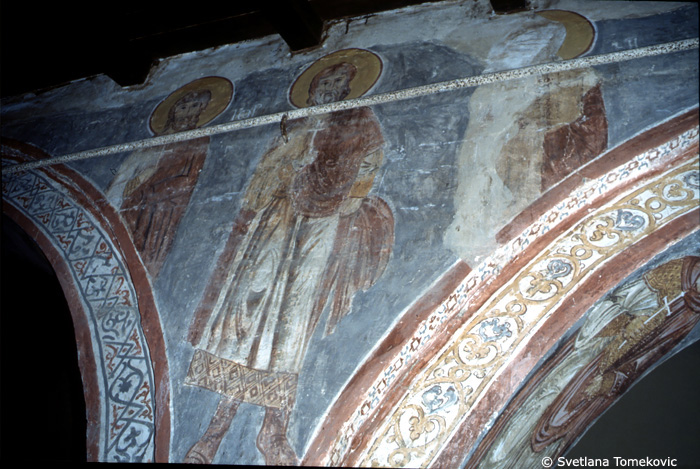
[(368, 64), (579, 32), (221, 93)]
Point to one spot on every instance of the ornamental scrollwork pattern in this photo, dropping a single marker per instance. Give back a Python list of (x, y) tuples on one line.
[(418, 427), (652, 159)]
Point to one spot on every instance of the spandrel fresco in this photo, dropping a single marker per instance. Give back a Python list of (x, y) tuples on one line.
[(352, 282), (308, 234), (281, 256), (526, 135)]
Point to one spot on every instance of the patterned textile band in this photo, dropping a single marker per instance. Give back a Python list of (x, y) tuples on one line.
[(264, 388)]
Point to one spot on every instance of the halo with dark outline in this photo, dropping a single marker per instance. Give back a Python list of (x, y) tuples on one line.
[(580, 33), (221, 94), (369, 68)]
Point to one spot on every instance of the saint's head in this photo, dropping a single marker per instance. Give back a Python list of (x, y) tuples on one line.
[(184, 114), (331, 84)]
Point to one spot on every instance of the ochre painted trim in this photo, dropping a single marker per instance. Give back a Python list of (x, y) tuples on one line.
[(562, 319)]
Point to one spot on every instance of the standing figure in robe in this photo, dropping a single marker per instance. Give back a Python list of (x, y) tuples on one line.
[(307, 237), (153, 186)]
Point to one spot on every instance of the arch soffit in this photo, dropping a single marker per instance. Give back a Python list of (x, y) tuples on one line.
[(122, 353)]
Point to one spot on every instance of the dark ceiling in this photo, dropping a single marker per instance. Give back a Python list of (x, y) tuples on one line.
[(56, 42), (48, 44)]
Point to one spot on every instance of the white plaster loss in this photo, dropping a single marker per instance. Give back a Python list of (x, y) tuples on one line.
[(495, 119)]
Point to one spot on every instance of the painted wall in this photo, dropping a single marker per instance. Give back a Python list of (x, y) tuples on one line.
[(251, 290)]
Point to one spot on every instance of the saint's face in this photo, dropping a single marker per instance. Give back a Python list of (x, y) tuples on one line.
[(186, 114), (332, 87)]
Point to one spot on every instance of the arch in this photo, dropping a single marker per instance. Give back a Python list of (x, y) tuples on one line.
[(41, 378), (121, 348), (630, 425), (632, 328), (382, 403)]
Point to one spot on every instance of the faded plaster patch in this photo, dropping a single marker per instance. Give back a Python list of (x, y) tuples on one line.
[(533, 40), (482, 199), (499, 163)]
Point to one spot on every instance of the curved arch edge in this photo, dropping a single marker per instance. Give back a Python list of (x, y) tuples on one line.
[(344, 439), (130, 291)]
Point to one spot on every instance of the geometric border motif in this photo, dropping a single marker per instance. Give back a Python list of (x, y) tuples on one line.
[(457, 377), (488, 270), (226, 377), (108, 296)]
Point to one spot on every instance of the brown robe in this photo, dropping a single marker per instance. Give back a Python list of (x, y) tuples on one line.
[(154, 209), (291, 249), (571, 146), (637, 343)]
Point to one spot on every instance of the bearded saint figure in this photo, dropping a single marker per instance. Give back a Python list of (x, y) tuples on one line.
[(153, 186), (307, 237)]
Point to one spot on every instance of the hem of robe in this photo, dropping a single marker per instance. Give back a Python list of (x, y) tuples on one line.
[(226, 377)]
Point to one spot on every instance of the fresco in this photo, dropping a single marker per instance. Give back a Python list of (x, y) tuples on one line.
[(624, 85), (624, 335), (526, 135), (636, 342), (484, 346), (307, 235), (400, 192), (154, 186), (281, 255), (98, 275)]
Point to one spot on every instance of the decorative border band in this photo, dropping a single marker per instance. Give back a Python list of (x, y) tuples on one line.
[(372, 100), (445, 391), (589, 193), (98, 272)]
